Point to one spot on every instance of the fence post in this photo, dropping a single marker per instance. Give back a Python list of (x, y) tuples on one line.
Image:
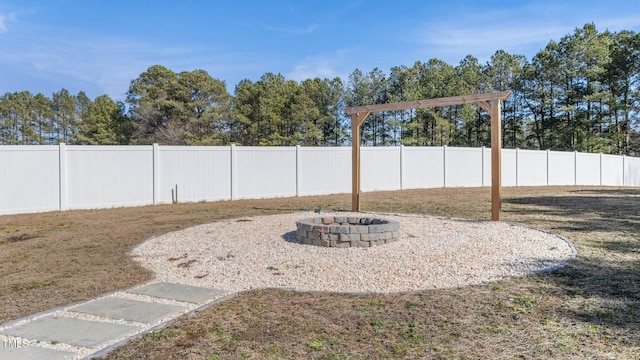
[(548, 166), (297, 170), (444, 166), (401, 167), (600, 169), (62, 178), (156, 173), (623, 168), (575, 168), (482, 166), (232, 158), (517, 165)]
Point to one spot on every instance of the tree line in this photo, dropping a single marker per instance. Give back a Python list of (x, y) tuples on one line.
[(579, 93)]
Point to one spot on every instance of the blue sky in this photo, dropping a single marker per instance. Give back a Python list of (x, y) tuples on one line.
[(100, 46)]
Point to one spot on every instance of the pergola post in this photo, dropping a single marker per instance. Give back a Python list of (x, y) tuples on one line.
[(493, 108), (496, 160), (356, 121), (489, 102)]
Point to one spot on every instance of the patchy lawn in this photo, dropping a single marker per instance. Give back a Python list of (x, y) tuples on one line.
[(589, 309)]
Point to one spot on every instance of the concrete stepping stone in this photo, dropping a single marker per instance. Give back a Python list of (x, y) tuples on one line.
[(34, 353), (179, 292), (70, 331), (125, 309)]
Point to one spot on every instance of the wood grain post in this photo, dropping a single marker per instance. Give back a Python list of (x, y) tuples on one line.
[(356, 121), (496, 160)]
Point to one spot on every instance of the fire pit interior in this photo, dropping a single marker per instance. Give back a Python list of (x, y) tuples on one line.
[(346, 231)]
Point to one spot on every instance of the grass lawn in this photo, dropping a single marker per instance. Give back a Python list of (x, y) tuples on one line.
[(589, 309)]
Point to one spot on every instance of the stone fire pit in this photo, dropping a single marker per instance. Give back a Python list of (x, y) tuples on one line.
[(346, 231)]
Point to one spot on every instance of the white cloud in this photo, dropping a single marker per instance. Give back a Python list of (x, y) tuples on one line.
[(3, 21), (625, 23), (520, 30), (311, 70), (482, 33), (108, 64), (482, 43), (290, 30), (328, 66)]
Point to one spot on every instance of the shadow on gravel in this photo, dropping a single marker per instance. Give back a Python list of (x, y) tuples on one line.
[(290, 237)]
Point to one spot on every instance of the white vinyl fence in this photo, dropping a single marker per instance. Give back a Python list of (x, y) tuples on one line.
[(60, 177)]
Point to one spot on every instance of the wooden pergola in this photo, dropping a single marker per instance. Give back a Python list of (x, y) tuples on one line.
[(490, 102)]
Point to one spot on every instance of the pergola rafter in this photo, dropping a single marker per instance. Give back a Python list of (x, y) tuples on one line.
[(489, 102)]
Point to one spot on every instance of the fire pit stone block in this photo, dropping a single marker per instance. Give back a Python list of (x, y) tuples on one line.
[(342, 231)]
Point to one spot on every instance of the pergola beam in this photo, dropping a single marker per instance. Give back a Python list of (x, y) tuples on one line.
[(489, 102), (421, 104)]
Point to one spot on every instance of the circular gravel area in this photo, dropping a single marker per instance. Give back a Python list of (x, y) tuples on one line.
[(262, 252)]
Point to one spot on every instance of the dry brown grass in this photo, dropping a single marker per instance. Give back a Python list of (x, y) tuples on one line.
[(589, 309)]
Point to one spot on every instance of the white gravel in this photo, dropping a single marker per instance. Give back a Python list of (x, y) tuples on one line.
[(261, 252)]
